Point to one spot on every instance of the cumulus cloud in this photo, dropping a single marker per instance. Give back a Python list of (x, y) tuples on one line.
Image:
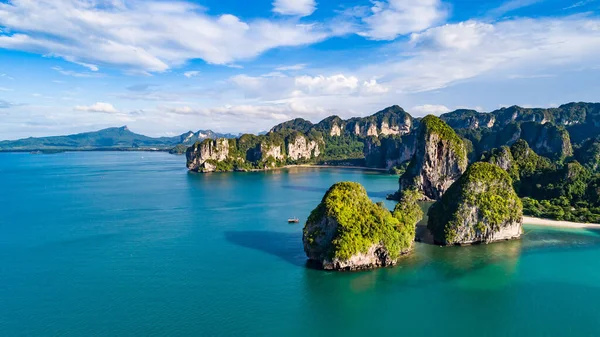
[(149, 36), (294, 7), (447, 54), (97, 107), (330, 85), (389, 19), (282, 86)]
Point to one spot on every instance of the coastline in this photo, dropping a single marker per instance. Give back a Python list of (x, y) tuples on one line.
[(364, 168), (557, 223)]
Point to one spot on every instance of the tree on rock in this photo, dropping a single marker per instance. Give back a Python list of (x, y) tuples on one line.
[(440, 159), (347, 231), (480, 207)]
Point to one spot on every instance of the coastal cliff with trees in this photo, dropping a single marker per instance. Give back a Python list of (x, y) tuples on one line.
[(552, 155), (347, 231)]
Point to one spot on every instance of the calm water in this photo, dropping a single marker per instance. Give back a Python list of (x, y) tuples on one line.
[(133, 244)]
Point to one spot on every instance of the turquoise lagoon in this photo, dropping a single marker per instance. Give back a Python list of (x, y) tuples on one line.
[(130, 243)]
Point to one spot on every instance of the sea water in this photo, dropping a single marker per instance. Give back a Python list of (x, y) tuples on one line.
[(130, 243)]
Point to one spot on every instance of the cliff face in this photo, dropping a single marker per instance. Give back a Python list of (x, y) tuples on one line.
[(547, 140), (481, 207), (440, 159), (388, 152), (388, 122), (251, 152), (301, 148), (201, 156), (347, 231), (469, 119)]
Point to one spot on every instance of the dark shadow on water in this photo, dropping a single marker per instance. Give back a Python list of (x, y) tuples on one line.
[(287, 246), (321, 190)]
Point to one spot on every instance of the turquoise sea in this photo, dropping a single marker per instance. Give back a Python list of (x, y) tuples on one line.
[(126, 243)]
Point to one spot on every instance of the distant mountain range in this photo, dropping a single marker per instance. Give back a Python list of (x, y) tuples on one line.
[(118, 138)]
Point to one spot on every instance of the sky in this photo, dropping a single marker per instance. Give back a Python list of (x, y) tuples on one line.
[(166, 67)]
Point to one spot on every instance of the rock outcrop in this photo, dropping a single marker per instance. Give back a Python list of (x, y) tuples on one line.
[(389, 152), (440, 159), (468, 119), (201, 157), (480, 207), (347, 231), (301, 148), (387, 122)]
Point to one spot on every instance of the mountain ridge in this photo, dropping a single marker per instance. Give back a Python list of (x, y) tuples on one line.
[(117, 138)]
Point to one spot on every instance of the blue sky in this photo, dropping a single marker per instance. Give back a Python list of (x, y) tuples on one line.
[(165, 67)]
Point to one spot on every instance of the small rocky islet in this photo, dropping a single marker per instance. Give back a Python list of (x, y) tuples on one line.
[(347, 231)]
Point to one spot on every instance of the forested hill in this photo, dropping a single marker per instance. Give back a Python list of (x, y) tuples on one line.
[(120, 138)]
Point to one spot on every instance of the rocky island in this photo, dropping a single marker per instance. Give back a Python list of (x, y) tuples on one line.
[(480, 207), (347, 231)]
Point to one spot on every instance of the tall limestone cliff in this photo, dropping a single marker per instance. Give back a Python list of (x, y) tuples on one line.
[(347, 231), (480, 207), (390, 121), (299, 147), (250, 152), (389, 152), (439, 160), (203, 156)]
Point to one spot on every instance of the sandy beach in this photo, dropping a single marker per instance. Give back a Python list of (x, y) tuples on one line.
[(555, 223)]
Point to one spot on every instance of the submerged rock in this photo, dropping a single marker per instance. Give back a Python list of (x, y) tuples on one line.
[(480, 207), (347, 231), (439, 160)]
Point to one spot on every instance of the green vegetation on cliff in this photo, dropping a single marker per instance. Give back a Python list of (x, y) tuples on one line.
[(434, 125), (360, 223), (482, 202), (562, 190)]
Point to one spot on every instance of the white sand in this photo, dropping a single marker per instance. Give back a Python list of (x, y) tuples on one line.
[(555, 223)]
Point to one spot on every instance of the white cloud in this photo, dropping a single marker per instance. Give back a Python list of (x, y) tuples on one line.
[(273, 112), (511, 5), (441, 56), (392, 18), (427, 109), (147, 36), (192, 73), (7, 77), (330, 85), (76, 73), (278, 86), (292, 67), (97, 107), (372, 87), (579, 4), (294, 7)]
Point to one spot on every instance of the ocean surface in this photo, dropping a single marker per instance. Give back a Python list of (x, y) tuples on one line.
[(126, 243)]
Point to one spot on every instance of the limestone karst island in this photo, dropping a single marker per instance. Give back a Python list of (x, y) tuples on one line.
[(300, 168)]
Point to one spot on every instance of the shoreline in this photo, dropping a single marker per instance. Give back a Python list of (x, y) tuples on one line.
[(557, 223), (364, 168)]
